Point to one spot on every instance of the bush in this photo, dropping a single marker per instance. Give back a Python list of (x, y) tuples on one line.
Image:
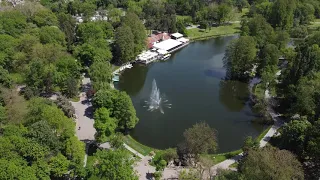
[(64, 104), (299, 32)]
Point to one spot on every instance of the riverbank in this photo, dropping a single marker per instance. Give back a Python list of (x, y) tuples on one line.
[(202, 34)]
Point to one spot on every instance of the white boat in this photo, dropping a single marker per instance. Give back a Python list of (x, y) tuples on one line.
[(165, 57)]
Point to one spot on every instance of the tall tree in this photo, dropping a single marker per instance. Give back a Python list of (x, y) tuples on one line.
[(100, 74), (271, 163), (124, 44), (282, 14), (112, 165), (138, 31), (240, 57), (104, 124), (200, 138)]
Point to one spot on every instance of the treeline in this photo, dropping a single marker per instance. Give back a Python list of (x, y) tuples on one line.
[(44, 51), (295, 78)]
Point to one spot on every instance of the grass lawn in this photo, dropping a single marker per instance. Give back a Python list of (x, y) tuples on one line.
[(234, 165), (217, 158), (142, 149), (261, 135), (239, 15), (196, 33), (258, 91)]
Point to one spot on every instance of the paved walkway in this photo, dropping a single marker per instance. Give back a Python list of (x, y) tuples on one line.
[(84, 118), (83, 111)]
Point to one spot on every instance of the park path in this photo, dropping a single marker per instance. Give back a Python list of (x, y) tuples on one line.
[(84, 117)]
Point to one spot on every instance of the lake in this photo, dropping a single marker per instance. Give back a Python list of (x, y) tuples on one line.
[(192, 82)]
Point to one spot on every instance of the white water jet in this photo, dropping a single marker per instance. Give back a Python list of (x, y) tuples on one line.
[(156, 101)]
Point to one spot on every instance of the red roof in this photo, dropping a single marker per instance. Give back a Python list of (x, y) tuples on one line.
[(157, 37)]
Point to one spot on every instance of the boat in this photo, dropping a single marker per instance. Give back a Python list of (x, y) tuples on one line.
[(165, 57)]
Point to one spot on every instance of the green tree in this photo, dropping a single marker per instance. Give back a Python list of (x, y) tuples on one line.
[(44, 135), (95, 51), (67, 25), (90, 31), (282, 14), (270, 163), (112, 165), (100, 74), (59, 165), (104, 124), (12, 23), (200, 138), (45, 17), (240, 57), (124, 44), (138, 31), (51, 34), (124, 112), (293, 135)]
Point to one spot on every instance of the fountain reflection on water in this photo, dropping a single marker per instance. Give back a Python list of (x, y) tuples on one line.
[(156, 100)]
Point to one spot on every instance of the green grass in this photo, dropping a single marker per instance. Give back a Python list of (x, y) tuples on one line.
[(239, 15), (75, 99), (142, 149), (234, 165), (261, 135), (217, 158), (196, 34), (258, 91)]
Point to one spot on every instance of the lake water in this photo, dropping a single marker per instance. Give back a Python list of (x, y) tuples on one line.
[(192, 81)]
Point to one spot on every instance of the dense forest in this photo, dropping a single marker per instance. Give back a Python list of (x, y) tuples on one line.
[(46, 50)]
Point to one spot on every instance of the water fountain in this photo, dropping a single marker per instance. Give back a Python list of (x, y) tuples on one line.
[(156, 101)]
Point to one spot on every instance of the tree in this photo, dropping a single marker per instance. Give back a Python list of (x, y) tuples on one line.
[(200, 138), (120, 106), (293, 135), (268, 56), (112, 165), (65, 105), (67, 25), (100, 74), (90, 31), (270, 163), (249, 143), (5, 78), (52, 34), (75, 152), (45, 17), (282, 14), (94, 51), (239, 58), (124, 44), (138, 31), (59, 165), (259, 29), (190, 175), (44, 135), (104, 124), (12, 23), (124, 112)]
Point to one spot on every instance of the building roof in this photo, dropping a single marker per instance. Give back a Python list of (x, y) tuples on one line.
[(184, 40), (160, 51), (157, 37), (167, 44), (177, 35), (147, 55)]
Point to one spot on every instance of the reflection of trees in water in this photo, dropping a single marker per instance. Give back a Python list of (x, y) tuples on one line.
[(132, 80), (233, 94)]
